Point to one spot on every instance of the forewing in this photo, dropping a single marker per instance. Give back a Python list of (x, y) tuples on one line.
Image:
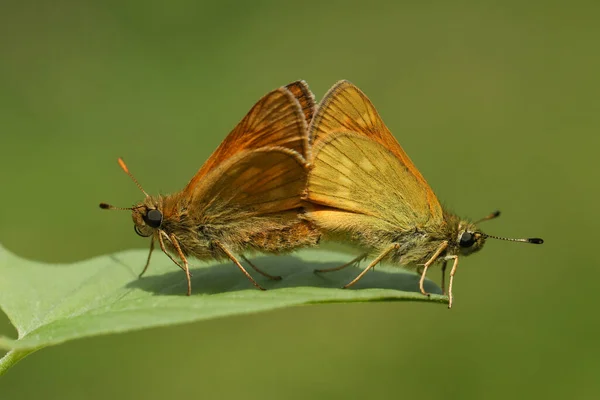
[(345, 108), (276, 120), (356, 174), (251, 183)]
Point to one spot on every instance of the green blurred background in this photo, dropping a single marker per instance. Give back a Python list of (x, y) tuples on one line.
[(496, 102)]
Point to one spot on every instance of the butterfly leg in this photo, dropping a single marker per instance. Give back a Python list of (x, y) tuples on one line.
[(263, 273), (392, 247), (357, 260), (236, 262), (452, 272), (435, 255), (444, 276), (185, 267), (164, 249), (148, 260)]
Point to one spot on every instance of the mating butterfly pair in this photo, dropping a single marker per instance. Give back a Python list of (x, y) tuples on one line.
[(293, 172)]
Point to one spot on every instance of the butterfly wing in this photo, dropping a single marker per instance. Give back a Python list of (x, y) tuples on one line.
[(251, 183), (305, 97), (277, 119), (346, 109), (355, 174)]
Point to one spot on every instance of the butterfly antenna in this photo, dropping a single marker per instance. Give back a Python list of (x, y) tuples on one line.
[(106, 206), (528, 240), (124, 168), (493, 215)]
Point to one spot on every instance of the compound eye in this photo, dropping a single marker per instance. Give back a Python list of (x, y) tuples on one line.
[(467, 239), (137, 230), (154, 218)]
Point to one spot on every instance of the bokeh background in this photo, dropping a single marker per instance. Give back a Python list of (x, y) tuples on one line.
[(496, 102)]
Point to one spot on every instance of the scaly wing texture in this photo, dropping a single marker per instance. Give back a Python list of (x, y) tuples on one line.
[(251, 183), (346, 109), (354, 173), (275, 120), (305, 97)]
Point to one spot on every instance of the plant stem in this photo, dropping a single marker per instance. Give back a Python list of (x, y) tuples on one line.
[(13, 357)]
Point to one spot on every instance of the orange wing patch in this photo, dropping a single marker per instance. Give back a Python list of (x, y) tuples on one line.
[(276, 120), (252, 183)]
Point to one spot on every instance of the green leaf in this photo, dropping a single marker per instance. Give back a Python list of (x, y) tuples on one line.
[(51, 304)]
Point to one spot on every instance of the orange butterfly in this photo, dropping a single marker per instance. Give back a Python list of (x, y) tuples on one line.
[(369, 193), (246, 197)]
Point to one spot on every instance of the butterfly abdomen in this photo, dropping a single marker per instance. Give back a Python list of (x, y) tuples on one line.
[(283, 239)]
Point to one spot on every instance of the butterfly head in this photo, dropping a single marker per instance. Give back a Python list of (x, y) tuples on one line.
[(469, 239), (147, 217)]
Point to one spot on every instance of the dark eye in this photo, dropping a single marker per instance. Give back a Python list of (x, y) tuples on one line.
[(154, 218), (467, 239)]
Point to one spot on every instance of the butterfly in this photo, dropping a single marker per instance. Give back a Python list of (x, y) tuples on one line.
[(366, 191), (247, 195)]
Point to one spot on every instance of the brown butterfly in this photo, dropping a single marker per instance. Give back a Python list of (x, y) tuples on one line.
[(369, 193), (247, 195)]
